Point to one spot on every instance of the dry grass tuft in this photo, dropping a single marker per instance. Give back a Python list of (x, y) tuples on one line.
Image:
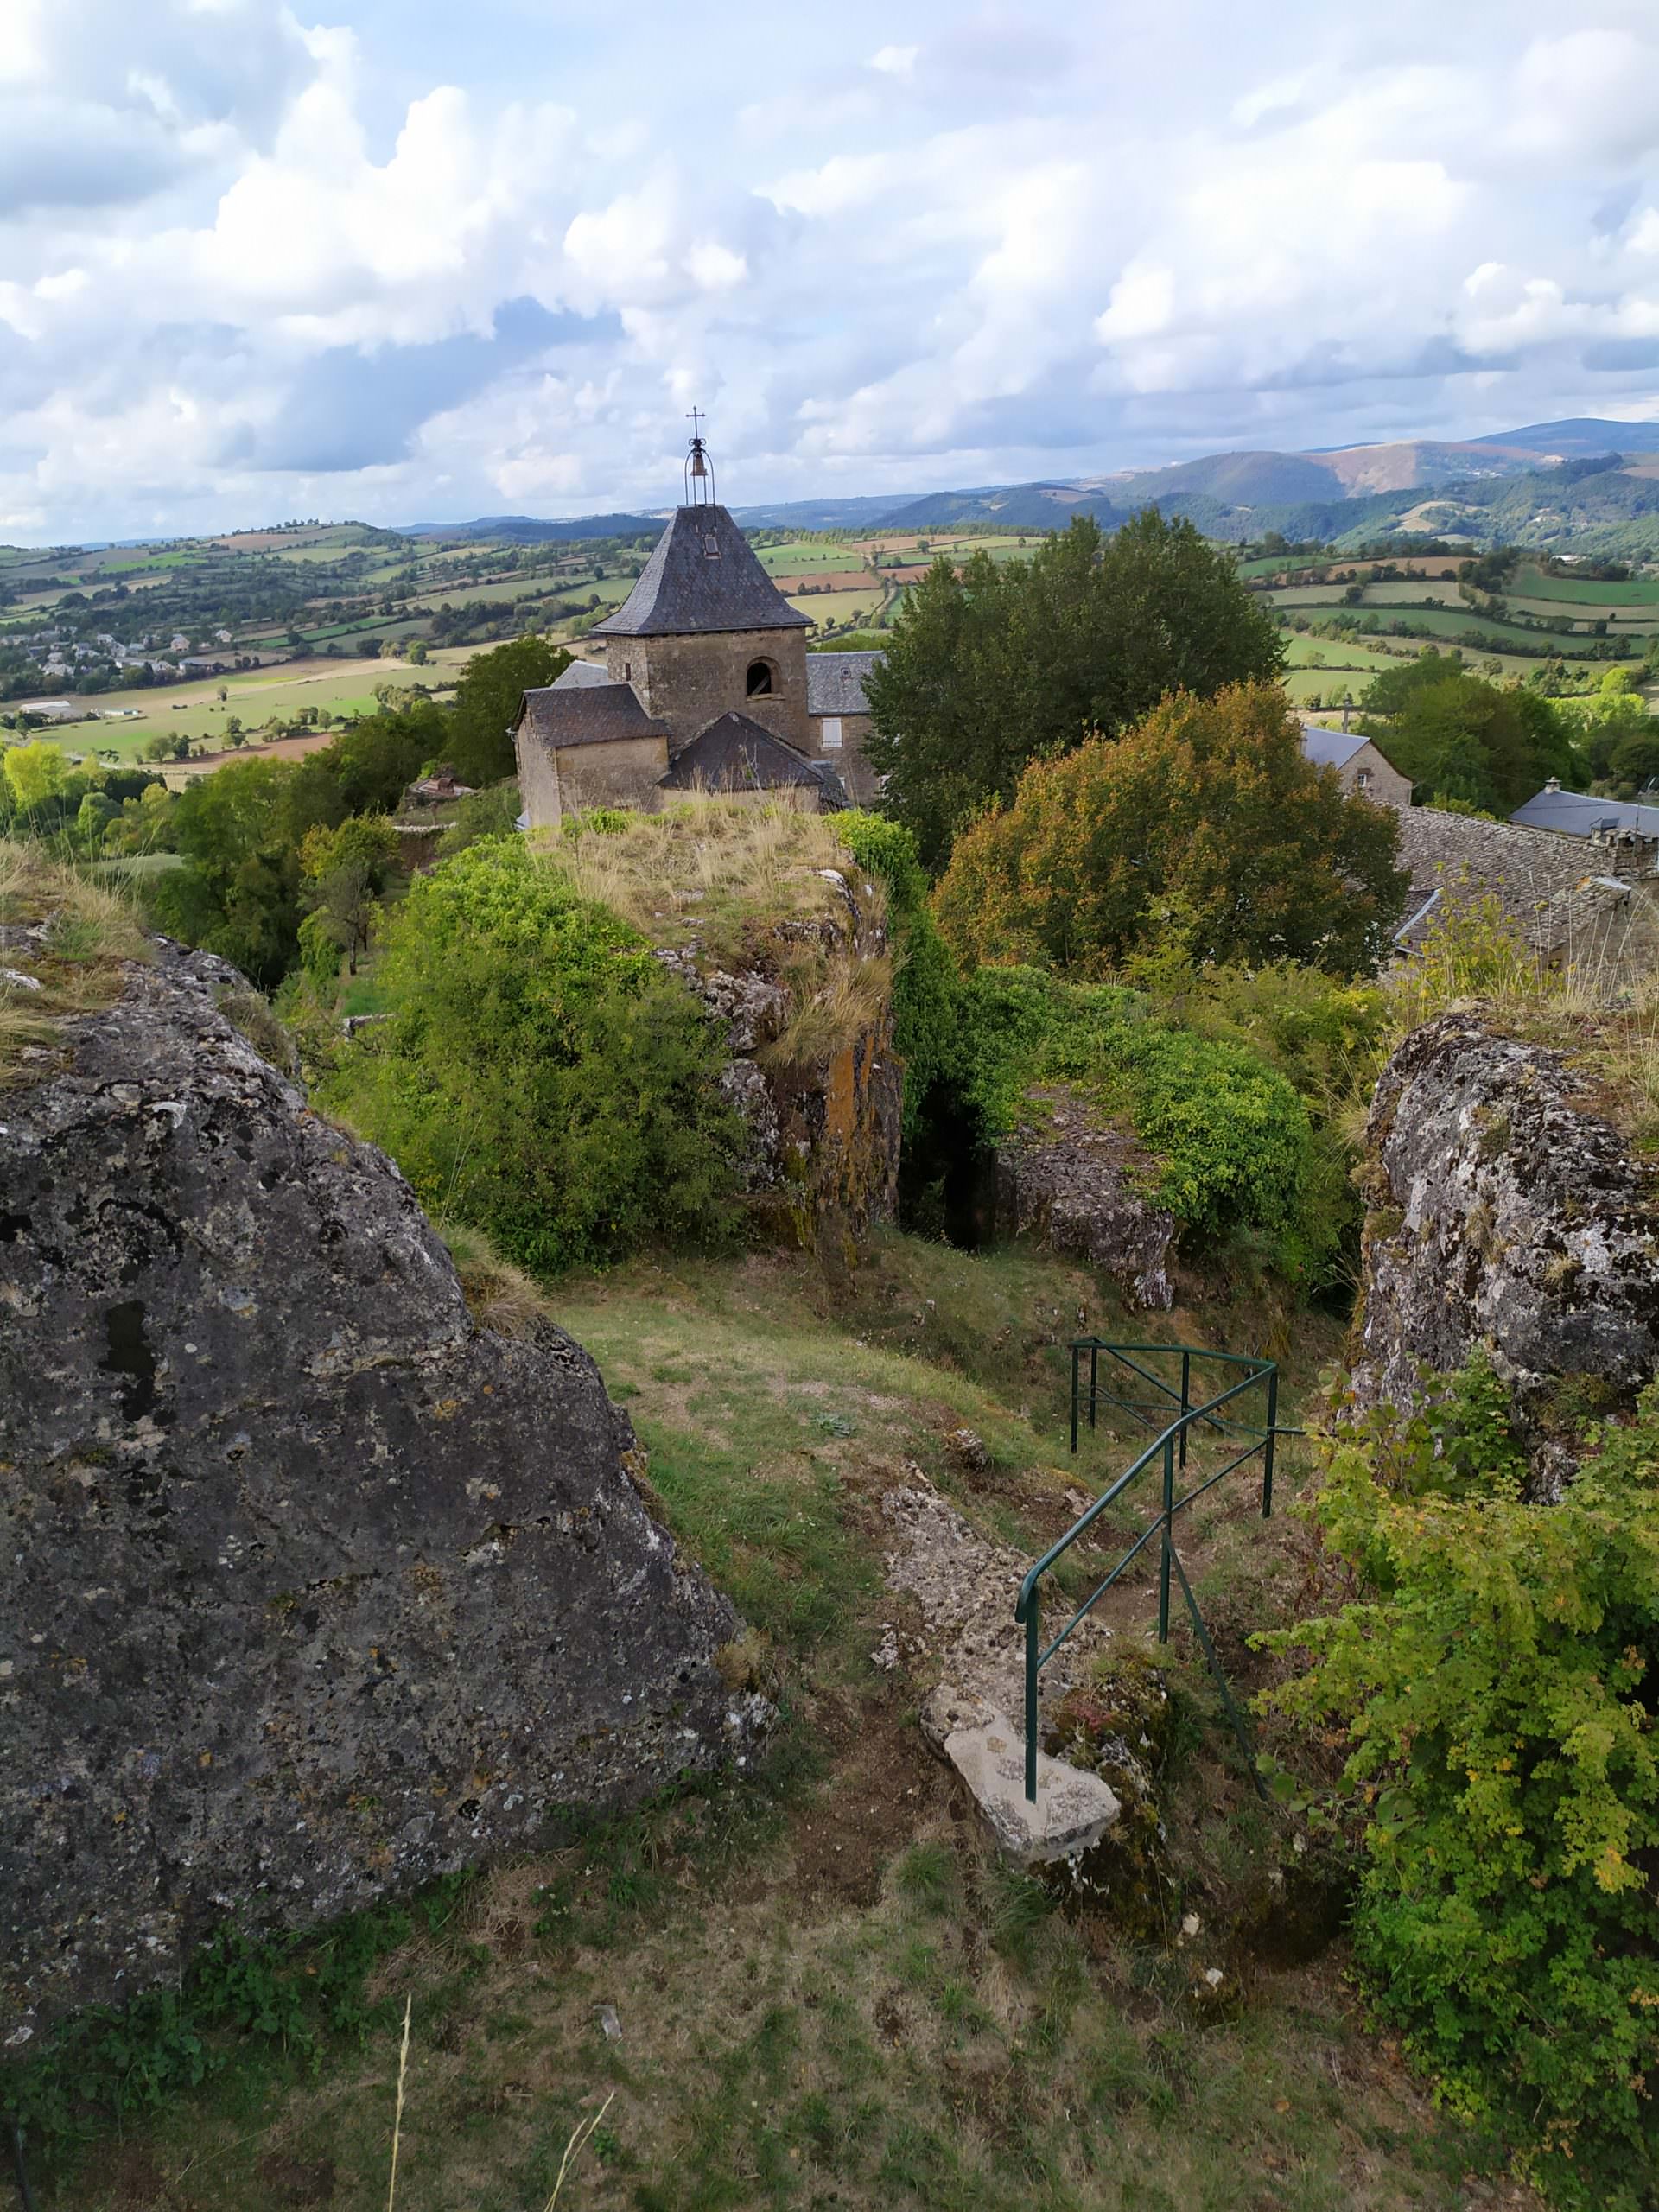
[(499, 1295), (68, 936), (836, 998), (708, 866)]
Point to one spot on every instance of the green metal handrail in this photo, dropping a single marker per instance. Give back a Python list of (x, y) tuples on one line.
[(1170, 1444)]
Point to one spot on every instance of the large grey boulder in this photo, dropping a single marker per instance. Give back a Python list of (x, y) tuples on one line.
[(309, 1588), (1503, 1214), (1069, 1180)]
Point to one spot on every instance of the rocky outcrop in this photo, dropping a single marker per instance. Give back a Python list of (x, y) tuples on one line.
[(1503, 1214), (808, 1019), (1070, 1181), (309, 1588)]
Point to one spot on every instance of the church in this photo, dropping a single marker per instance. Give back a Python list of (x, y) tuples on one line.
[(706, 685)]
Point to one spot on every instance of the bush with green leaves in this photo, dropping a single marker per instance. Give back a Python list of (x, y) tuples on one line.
[(1232, 1140), (1497, 1680), (541, 1076), (927, 992)]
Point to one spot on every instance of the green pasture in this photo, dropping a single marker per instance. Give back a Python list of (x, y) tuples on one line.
[(801, 559), (196, 711), (1640, 591)]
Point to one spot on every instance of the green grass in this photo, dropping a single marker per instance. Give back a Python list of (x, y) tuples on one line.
[(831, 1992), (1640, 591)]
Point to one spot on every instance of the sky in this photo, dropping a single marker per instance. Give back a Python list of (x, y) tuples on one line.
[(413, 260)]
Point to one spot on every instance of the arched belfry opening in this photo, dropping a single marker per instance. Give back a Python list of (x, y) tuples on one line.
[(759, 681)]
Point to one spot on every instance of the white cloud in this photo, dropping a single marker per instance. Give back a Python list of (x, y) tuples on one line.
[(246, 253)]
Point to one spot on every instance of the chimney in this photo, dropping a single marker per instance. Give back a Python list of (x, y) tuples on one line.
[(1554, 785)]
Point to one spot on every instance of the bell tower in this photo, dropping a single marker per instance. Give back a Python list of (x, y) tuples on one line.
[(705, 631)]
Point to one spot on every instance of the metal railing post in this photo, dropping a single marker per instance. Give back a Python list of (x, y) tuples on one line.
[(1033, 1644), (1186, 1398), (1169, 1522), (1075, 1370), (1094, 1380), (1267, 1453)]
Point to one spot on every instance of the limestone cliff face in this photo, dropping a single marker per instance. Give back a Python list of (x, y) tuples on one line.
[(1503, 1214), (823, 1116), (1070, 1180), (309, 1587)]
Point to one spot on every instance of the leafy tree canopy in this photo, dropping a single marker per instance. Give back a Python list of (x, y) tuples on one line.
[(1209, 806), (1013, 660), (1459, 737), (476, 741)]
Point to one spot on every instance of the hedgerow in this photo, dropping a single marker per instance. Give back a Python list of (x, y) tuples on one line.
[(1496, 1679), (540, 1076)]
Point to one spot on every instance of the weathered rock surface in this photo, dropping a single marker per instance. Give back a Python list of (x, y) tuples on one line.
[(1073, 1811), (1070, 1183), (309, 1589), (823, 1126), (1501, 1214)]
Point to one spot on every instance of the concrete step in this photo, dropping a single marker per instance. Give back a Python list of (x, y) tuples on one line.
[(1073, 1812)]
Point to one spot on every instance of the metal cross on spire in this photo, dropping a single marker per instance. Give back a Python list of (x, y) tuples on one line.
[(699, 472)]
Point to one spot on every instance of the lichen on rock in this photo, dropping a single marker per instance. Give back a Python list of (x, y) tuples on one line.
[(1071, 1180), (1504, 1216), (311, 1588)]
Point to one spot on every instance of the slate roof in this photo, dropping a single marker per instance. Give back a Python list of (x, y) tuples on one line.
[(702, 576), (1580, 816), (581, 674), (835, 682), (733, 753), (1331, 748), (586, 713)]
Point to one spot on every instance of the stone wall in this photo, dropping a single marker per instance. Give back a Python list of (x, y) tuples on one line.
[(687, 682), (1372, 777), (863, 785), (309, 1588), (623, 773)]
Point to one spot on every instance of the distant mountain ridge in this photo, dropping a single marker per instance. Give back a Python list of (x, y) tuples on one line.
[(1531, 485)]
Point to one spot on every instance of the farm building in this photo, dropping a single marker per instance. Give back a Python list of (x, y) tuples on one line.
[(704, 685), (1356, 761)]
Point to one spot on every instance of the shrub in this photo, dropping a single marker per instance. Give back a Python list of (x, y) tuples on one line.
[(1497, 1683), (1231, 1138), (541, 1077), (927, 995), (1210, 804)]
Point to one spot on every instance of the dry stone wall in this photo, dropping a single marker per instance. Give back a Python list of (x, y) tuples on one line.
[(309, 1589)]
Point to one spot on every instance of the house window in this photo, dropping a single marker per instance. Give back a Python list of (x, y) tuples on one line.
[(711, 547), (759, 681), (627, 671), (1364, 779), (829, 732)]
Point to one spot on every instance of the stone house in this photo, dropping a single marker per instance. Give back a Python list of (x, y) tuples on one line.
[(704, 686), (839, 716), (1363, 769)]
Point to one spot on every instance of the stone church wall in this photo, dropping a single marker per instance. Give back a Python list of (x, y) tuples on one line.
[(687, 682), (622, 773)]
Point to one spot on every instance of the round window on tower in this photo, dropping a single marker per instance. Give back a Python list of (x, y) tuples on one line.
[(760, 679)]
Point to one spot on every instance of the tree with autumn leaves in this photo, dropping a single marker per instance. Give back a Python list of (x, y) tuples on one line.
[(1206, 811)]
